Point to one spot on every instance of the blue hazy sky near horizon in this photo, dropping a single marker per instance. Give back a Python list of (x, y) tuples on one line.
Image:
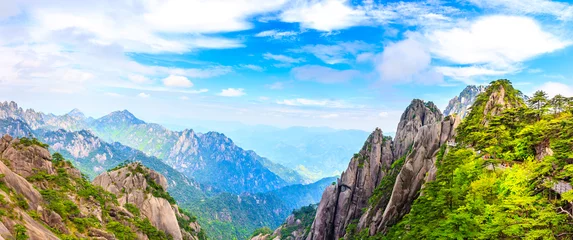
[(334, 63)]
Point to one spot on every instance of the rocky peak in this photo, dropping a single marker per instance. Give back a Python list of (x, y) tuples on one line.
[(342, 203), (12, 110), (145, 189), (460, 105), (76, 114), (120, 117), (416, 115)]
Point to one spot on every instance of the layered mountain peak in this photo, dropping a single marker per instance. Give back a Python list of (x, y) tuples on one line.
[(461, 104), (121, 117), (76, 114)]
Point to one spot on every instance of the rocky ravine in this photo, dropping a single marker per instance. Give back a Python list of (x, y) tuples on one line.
[(393, 171), (138, 185)]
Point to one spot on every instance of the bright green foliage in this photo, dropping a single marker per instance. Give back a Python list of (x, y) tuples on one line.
[(32, 141), (305, 215), (20, 232), (262, 231), (120, 231), (497, 183)]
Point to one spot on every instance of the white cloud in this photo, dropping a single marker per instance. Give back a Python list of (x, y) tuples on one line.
[(561, 10), (136, 78), (232, 92), (323, 15), (322, 74), (383, 114), (554, 88), (282, 58), (177, 81), (365, 57), (496, 40), (406, 61), (338, 53), (330, 115), (467, 73), (252, 67), (74, 75), (263, 98), (184, 98), (143, 95), (317, 103), (276, 34)]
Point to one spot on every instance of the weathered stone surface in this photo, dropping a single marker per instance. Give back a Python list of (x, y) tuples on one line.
[(413, 174), (343, 203), (416, 115), (130, 185)]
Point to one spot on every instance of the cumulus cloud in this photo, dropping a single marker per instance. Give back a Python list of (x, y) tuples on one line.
[(232, 92), (322, 74), (406, 61), (177, 81), (324, 15), (555, 88), (492, 45)]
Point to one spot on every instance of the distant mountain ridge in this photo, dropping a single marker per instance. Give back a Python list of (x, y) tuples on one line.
[(461, 104), (210, 158)]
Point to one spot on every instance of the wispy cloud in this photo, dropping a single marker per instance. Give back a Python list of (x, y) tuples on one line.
[(282, 58), (277, 34), (317, 103), (338, 53), (322, 74), (143, 95)]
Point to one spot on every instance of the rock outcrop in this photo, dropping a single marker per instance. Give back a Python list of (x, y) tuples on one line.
[(140, 186), (43, 196), (342, 204), (419, 167)]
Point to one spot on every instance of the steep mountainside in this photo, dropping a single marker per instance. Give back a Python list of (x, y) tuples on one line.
[(460, 105), (502, 173), (45, 197), (211, 158), (373, 171), (222, 214)]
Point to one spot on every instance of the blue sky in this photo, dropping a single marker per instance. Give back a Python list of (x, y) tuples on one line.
[(335, 63)]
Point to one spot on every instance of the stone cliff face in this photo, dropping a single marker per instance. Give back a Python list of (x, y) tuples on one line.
[(136, 184), (460, 105), (43, 196), (342, 204), (419, 167)]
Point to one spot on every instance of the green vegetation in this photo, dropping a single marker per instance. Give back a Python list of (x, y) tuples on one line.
[(121, 231), (20, 232), (33, 142), (262, 231), (497, 184), (305, 215)]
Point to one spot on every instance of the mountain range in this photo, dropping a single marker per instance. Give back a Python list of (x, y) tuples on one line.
[(228, 172)]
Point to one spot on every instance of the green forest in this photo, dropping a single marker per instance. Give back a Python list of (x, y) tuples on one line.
[(507, 177)]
